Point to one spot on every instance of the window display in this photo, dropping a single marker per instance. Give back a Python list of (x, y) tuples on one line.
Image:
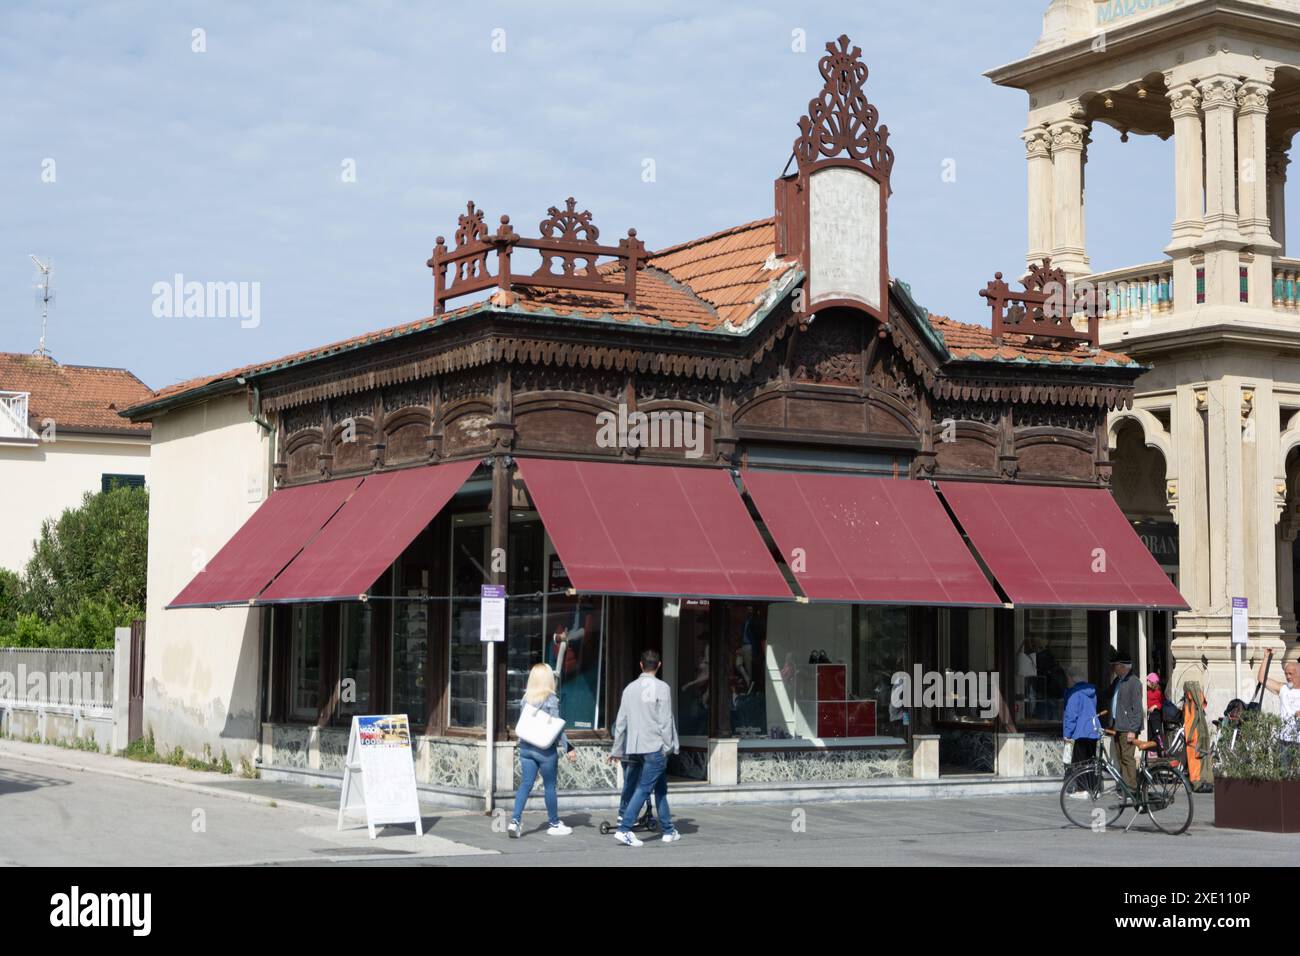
[(468, 657), (828, 672), (1047, 642), (575, 649), (354, 659), (411, 631), (966, 646), (304, 679), (693, 689)]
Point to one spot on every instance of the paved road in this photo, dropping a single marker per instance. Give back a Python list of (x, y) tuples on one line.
[(53, 816)]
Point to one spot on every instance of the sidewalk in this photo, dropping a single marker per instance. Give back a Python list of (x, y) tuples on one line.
[(315, 800)]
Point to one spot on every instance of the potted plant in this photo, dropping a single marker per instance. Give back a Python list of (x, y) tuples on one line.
[(1257, 777)]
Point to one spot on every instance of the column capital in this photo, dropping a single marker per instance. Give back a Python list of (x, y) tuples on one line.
[(1038, 142), (1252, 96), (1278, 159), (1218, 92), (1068, 135), (1184, 100)]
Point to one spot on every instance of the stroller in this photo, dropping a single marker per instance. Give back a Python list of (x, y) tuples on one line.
[(648, 822)]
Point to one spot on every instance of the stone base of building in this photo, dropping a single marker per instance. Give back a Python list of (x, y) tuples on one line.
[(451, 771)]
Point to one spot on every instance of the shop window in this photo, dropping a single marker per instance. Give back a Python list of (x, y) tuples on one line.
[(547, 626), (470, 563), (827, 672), (305, 660), (410, 653), (1048, 643), (354, 659), (693, 688), (967, 648)]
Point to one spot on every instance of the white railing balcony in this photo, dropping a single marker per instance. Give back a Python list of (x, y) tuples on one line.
[(13, 417), (1286, 285), (1132, 292)]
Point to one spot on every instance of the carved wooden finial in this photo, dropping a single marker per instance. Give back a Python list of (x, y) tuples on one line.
[(841, 121)]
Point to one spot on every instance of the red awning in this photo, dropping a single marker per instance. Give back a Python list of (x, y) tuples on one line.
[(870, 540), (652, 529), (369, 533), (268, 541), (1060, 547)]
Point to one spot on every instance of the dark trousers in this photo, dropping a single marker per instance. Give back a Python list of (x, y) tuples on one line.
[(1126, 757), (632, 778), (1085, 752)]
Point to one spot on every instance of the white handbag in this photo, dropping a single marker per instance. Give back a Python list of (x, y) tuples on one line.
[(537, 727)]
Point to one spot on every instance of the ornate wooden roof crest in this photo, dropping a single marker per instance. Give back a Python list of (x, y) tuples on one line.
[(567, 246), (841, 120), (1045, 309)]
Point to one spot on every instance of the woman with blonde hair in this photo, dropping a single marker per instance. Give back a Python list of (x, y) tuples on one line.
[(533, 760)]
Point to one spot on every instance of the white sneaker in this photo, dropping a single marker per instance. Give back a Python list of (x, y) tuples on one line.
[(559, 830), (672, 837), (512, 829), (627, 839)]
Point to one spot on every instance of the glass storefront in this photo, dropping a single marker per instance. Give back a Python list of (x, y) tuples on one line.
[(828, 671), (470, 564), (354, 659), (305, 661), (1048, 643)]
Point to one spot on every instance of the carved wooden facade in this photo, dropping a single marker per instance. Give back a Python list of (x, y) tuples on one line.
[(495, 384)]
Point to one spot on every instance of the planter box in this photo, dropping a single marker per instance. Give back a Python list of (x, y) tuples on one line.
[(1269, 805)]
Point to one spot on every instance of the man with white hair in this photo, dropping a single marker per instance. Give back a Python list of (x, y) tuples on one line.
[(1288, 695)]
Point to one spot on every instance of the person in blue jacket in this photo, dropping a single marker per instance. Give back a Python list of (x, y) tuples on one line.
[(1080, 723)]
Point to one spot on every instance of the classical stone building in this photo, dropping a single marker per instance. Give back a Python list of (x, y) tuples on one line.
[(1206, 460)]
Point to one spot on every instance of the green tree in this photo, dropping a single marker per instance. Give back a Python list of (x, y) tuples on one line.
[(91, 559)]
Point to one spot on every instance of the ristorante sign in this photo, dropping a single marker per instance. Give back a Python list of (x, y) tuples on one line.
[(1108, 11)]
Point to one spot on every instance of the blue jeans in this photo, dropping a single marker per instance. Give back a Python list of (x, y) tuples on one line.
[(653, 770), (531, 762), (631, 777)]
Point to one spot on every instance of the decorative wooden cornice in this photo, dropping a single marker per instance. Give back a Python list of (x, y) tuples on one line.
[(841, 121)]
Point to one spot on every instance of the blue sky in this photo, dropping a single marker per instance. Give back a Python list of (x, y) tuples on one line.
[(226, 165)]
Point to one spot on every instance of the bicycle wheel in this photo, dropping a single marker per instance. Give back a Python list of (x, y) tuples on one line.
[(1089, 799), (1169, 800)]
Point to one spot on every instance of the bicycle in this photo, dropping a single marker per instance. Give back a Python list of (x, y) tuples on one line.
[(1094, 792)]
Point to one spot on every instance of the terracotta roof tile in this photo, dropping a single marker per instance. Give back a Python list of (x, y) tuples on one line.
[(79, 398), (968, 342), (715, 284)]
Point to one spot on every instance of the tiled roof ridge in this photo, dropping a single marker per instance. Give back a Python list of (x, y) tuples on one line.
[(721, 234), (669, 279)]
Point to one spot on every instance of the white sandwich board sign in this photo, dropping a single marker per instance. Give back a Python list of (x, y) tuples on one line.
[(379, 773)]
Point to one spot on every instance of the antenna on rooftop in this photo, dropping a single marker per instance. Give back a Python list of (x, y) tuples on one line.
[(45, 297)]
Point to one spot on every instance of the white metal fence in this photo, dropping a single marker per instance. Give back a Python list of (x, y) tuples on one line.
[(57, 679)]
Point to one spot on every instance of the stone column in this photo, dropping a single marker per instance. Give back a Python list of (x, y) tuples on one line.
[(1185, 108), (1252, 182), (1277, 162), (1286, 535), (1069, 250), (1219, 102), (1038, 153)]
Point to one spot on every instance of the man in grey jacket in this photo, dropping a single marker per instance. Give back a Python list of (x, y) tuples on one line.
[(645, 728), (1126, 715)]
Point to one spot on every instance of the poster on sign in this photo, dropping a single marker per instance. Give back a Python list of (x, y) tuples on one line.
[(379, 773), (492, 617)]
